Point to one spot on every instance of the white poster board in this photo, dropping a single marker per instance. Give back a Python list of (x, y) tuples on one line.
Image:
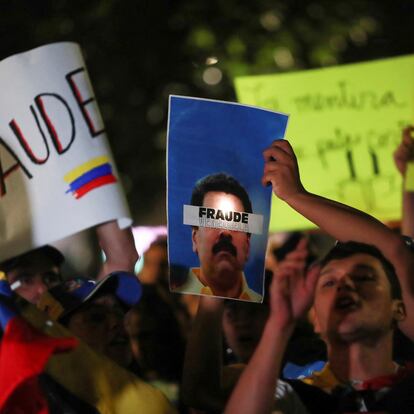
[(57, 174)]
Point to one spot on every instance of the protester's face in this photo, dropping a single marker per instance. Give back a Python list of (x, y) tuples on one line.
[(36, 274), (155, 265), (222, 253), (100, 324), (353, 300), (145, 333), (243, 325)]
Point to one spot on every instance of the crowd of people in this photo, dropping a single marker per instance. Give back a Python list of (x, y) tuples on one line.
[(334, 333)]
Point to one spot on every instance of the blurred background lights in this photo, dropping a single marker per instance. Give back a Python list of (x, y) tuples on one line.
[(211, 60), (212, 76), (202, 37), (369, 24), (270, 21), (337, 43), (283, 58), (358, 35), (155, 114), (192, 48)]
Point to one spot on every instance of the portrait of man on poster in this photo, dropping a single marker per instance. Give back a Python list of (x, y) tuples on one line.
[(222, 250)]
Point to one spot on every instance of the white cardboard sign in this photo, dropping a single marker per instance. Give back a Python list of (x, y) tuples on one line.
[(57, 174)]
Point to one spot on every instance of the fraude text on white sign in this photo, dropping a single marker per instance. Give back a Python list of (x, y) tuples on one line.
[(57, 174)]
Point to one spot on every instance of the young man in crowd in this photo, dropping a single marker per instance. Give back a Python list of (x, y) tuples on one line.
[(357, 308), (95, 311), (340, 221), (207, 379)]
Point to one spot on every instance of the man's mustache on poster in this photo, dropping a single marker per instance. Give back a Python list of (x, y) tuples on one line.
[(225, 244)]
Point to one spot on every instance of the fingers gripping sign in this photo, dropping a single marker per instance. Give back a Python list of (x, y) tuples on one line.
[(281, 170), (405, 151)]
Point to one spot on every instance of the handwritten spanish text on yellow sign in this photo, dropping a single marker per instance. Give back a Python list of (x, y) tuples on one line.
[(345, 123)]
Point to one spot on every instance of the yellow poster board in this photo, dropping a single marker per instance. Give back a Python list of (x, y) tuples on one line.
[(345, 122)]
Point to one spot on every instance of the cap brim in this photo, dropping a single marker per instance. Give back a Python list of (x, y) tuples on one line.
[(124, 285)]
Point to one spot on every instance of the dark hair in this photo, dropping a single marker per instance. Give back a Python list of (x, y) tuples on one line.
[(344, 250), (220, 182)]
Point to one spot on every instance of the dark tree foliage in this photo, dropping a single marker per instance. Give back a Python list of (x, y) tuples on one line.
[(140, 51)]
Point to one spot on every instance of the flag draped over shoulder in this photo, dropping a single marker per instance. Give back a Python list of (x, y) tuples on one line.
[(32, 345), (24, 352), (96, 380)]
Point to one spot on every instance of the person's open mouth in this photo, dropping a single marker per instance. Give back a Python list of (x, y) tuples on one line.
[(346, 303)]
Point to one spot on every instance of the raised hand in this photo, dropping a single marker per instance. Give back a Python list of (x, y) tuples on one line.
[(281, 170), (405, 151), (292, 288)]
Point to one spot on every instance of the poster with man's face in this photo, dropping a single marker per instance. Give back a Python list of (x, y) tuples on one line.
[(218, 210)]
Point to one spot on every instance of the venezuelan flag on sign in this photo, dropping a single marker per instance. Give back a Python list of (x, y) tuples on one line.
[(24, 352), (90, 175)]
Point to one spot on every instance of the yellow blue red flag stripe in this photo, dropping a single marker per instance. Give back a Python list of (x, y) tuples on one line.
[(90, 175)]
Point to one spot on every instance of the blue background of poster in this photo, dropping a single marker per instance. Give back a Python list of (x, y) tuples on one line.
[(206, 137)]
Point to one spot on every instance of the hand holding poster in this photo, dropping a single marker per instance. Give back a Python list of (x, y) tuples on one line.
[(345, 123), (218, 210), (56, 169)]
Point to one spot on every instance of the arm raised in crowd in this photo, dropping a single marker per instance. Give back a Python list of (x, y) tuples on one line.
[(118, 246), (403, 155), (291, 296), (207, 383), (340, 221), (202, 374)]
